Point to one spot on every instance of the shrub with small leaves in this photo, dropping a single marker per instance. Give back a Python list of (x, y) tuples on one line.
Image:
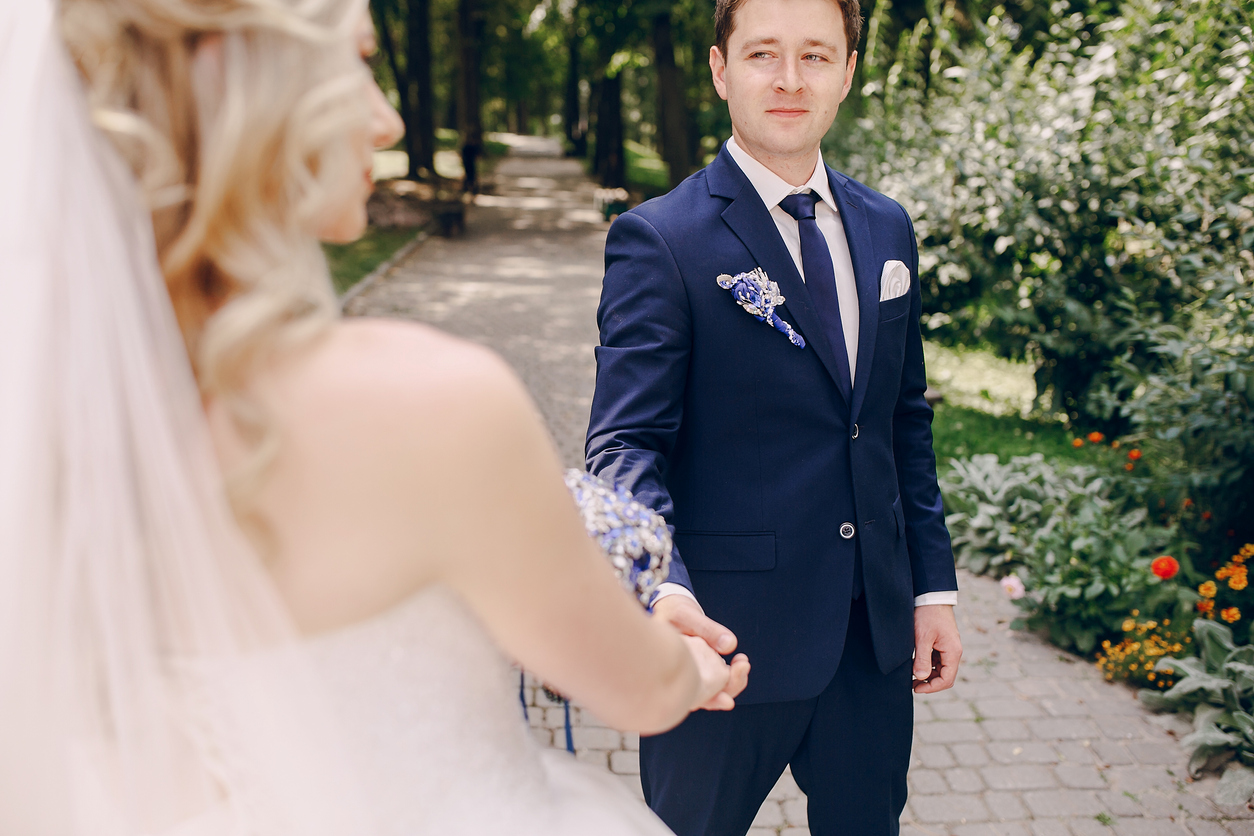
[(1133, 660), (1094, 567), (998, 511), (1217, 685)]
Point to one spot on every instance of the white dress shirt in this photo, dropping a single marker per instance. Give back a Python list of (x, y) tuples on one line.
[(772, 189)]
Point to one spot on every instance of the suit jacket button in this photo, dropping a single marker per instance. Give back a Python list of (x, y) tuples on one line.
[(855, 430), (846, 530)]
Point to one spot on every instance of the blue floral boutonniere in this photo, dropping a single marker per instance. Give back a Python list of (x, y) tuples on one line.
[(758, 295)]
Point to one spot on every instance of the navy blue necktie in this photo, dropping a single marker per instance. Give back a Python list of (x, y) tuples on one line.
[(816, 261)]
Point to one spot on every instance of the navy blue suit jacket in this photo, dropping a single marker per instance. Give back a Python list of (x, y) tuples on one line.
[(755, 450)]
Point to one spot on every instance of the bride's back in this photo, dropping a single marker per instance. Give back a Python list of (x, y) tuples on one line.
[(365, 460)]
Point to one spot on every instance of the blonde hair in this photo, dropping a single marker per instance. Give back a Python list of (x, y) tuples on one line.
[(242, 119)]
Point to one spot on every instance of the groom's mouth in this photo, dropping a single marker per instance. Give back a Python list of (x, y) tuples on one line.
[(787, 112)]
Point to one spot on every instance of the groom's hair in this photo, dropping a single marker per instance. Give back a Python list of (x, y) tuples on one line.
[(725, 22)]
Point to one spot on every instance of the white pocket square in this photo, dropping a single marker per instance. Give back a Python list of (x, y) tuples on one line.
[(894, 281)]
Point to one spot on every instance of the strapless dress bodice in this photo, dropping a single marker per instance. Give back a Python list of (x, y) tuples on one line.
[(427, 711)]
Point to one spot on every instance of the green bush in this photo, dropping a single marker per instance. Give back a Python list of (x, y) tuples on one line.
[(1090, 570), (999, 512), (1199, 405), (1063, 191), (1077, 539), (1218, 686)]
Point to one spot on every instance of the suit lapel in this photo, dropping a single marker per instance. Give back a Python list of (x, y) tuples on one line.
[(748, 218), (866, 276)]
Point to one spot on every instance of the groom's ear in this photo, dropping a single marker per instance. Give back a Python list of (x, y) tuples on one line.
[(718, 69)]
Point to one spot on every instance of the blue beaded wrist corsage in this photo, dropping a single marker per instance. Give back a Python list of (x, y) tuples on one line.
[(634, 537)]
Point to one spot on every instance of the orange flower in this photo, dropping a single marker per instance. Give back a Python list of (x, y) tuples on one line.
[(1134, 454), (1208, 589), (1188, 503), (1239, 581), (1247, 550), (1077, 442), (1096, 438), (1205, 606), (1224, 572), (1165, 567), (1206, 515), (1230, 614), (1114, 445), (1129, 467)]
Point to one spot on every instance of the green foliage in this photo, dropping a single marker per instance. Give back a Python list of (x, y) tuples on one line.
[(999, 512), (1200, 405), (1218, 686), (1076, 538), (1063, 190), (959, 432), (1091, 569), (645, 170)]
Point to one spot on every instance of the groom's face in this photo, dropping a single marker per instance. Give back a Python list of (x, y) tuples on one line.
[(786, 71)]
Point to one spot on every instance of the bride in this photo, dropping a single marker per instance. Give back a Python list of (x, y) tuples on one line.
[(260, 569)]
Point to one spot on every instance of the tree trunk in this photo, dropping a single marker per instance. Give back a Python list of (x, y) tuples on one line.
[(611, 160), (470, 25), (576, 131), (401, 78), (421, 94), (671, 109)]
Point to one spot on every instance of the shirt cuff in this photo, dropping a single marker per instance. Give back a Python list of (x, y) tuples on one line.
[(675, 589), (949, 598)]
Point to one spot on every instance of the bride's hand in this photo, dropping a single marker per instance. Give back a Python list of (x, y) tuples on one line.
[(720, 682)]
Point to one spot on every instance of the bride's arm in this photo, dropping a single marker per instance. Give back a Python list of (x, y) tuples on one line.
[(409, 457)]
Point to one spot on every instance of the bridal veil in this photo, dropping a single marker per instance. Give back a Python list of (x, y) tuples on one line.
[(150, 679)]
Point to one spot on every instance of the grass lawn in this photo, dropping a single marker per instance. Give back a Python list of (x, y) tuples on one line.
[(960, 431), (350, 263), (645, 170)]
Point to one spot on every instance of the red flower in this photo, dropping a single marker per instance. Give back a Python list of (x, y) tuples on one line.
[(1206, 515), (1096, 438), (1129, 466), (1165, 567), (1077, 442), (1134, 454)]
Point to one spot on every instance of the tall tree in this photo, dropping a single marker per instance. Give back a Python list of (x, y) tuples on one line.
[(470, 26), (412, 76), (421, 94), (672, 110), (611, 159), (572, 114)]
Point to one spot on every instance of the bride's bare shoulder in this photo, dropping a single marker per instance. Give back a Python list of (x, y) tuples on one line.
[(367, 371)]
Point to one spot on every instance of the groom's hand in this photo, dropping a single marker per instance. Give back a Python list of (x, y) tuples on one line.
[(937, 648), (686, 616)]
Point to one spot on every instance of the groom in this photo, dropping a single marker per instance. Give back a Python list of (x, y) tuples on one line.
[(790, 449)]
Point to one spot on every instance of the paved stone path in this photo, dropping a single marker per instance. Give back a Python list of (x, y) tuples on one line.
[(1030, 741)]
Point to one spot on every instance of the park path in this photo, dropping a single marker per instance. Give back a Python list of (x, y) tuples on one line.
[(1031, 741)]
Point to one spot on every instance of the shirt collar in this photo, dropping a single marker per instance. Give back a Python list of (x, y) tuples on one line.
[(771, 187)]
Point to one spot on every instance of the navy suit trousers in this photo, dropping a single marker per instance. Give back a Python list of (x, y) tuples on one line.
[(849, 749)]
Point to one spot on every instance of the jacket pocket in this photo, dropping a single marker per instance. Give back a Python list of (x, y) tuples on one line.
[(899, 516), (751, 551), (890, 309)]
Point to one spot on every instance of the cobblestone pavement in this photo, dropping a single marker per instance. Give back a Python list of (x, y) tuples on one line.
[(1030, 742)]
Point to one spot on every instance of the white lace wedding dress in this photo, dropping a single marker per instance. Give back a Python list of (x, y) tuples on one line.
[(430, 720)]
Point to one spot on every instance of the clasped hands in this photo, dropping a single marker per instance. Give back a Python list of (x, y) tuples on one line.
[(708, 641), (938, 648)]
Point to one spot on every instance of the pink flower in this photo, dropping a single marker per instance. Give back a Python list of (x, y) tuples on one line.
[(1012, 585)]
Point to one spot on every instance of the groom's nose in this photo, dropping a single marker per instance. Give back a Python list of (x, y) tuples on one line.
[(788, 80)]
